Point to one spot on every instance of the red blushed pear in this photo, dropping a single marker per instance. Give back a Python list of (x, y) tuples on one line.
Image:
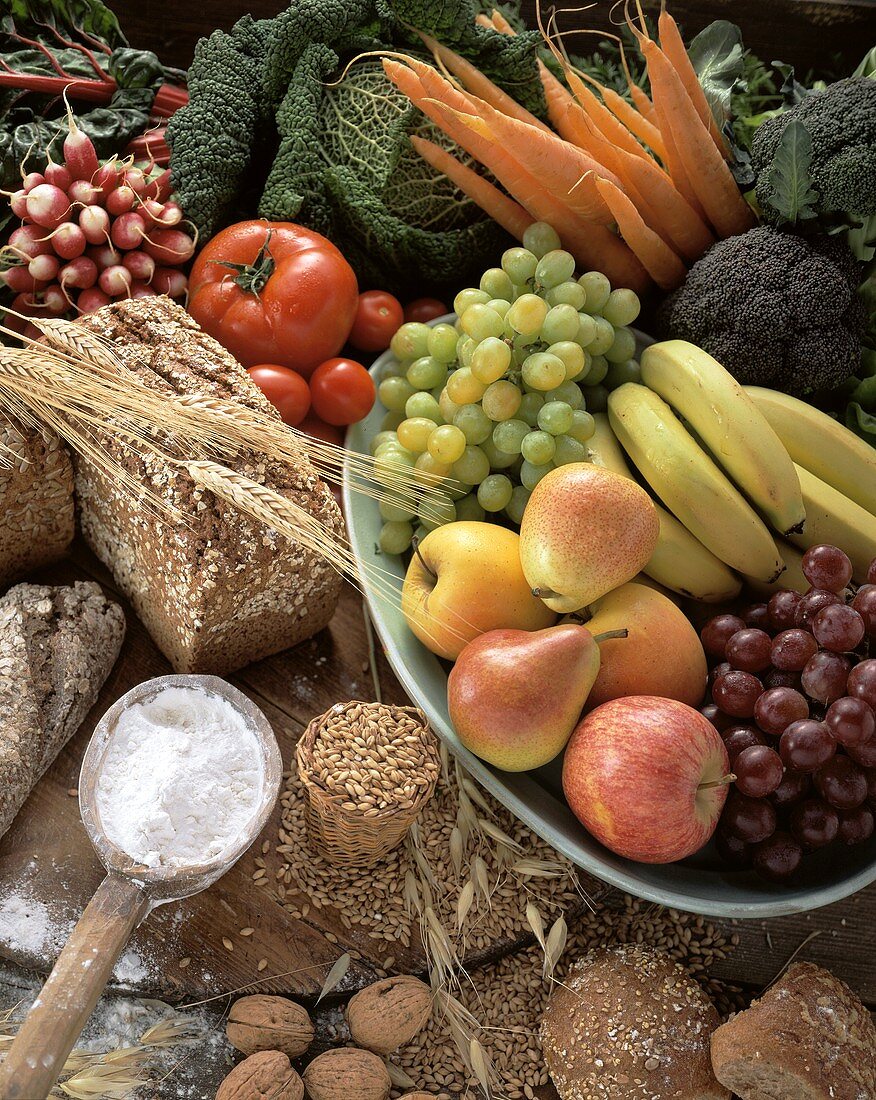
[(514, 695), (648, 777)]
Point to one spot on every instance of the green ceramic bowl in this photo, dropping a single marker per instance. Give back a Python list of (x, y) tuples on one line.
[(699, 884)]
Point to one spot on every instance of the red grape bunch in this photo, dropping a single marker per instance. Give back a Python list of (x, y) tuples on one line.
[(794, 698)]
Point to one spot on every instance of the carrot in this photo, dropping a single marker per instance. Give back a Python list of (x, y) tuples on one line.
[(639, 96), (480, 85), (593, 246), (438, 87), (484, 21), (636, 123), (508, 213), (673, 47), (658, 259), (706, 170), (662, 206), (407, 81), (501, 23), (610, 126)]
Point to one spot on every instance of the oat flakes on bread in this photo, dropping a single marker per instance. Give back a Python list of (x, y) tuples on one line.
[(219, 590), (629, 1023), (807, 1038), (36, 499), (57, 647)]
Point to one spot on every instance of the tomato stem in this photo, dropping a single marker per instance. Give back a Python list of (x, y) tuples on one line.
[(252, 278)]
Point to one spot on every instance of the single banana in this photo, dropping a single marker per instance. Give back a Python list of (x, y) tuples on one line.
[(689, 483), (680, 562), (792, 578), (736, 433), (832, 518), (821, 445)]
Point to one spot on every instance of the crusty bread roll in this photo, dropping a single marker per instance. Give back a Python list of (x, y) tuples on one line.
[(807, 1038), (629, 1024)]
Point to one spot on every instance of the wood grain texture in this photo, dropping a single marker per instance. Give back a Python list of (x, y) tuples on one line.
[(807, 33)]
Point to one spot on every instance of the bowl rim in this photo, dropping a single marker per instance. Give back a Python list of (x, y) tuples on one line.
[(769, 905)]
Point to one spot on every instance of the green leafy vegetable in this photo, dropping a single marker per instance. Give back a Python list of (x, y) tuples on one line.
[(792, 193), (290, 117), (718, 57)]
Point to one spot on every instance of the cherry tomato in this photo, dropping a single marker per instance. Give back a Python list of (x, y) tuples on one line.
[(274, 292), (329, 433), (341, 391), (378, 317), (425, 309), (287, 391)]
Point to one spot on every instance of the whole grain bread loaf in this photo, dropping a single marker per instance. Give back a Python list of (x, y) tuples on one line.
[(57, 646), (807, 1038), (36, 499), (629, 1023), (215, 589)]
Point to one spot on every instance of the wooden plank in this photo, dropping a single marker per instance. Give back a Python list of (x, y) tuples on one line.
[(810, 34)]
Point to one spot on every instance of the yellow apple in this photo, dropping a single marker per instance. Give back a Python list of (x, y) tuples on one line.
[(467, 579)]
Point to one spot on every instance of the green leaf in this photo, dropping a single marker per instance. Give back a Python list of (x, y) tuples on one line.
[(791, 91), (791, 190), (868, 65), (718, 57)]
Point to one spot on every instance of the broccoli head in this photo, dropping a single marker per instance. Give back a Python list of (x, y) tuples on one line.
[(776, 309), (841, 123)]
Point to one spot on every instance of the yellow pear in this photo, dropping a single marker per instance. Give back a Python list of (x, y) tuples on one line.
[(585, 531)]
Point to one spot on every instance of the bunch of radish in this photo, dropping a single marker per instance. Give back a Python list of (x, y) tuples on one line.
[(92, 233)]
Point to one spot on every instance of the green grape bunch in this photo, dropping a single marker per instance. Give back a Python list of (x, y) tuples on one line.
[(495, 401)]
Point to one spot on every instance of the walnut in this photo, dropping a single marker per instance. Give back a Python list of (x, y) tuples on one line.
[(418, 1096), (344, 1073), (267, 1075), (388, 1014), (269, 1023)]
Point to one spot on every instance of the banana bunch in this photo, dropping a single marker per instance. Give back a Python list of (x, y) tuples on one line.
[(728, 464)]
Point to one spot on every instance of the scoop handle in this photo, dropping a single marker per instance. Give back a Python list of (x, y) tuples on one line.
[(51, 1028)]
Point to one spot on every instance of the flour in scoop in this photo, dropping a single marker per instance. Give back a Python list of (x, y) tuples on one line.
[(182, 778)]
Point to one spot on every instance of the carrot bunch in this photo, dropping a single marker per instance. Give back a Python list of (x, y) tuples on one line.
[(637, 190)]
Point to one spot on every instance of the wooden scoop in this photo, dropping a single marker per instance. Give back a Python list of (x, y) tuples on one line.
[(124, 898)]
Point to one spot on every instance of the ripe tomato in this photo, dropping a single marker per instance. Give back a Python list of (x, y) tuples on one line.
[(274, 292), (425, 309), (378, 316), (329, 433), (287, 391), (341, 391)]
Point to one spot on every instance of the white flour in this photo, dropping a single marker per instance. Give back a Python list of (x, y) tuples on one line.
[(181, 780)]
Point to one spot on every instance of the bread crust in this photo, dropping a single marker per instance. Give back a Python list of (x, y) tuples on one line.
[(36, 499), (629, 1023), (807, 1038), (219, 590)]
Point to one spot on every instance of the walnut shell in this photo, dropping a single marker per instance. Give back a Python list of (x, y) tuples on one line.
[(418, 1096), (267, 1075), (388, 1014), (260, 1022), (345, 1072)]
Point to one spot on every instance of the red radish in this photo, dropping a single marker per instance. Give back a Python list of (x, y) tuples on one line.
[(56, 300), (104, 255), (106, 178), (18, 203), (141, 290), (92, 299), (29, 240), (44, 268), (83, 193), (170, 281), (59, 175), (170, 246), (69, 240), (80, 155), (95, 224), (80, 273), (115, 281), (47, 205), (121, 200), (128, 230), (166, 214), (140, 265), (136, 180), (160, 187), (19, 280), (32, 180)]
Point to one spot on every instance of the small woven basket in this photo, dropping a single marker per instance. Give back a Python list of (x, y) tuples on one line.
[(367, 769)]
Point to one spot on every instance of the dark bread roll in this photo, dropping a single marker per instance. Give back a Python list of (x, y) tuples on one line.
[(630, 1024), (807, 1038)]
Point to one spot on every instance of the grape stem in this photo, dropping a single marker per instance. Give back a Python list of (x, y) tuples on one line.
[(722, 782), (415, 544)]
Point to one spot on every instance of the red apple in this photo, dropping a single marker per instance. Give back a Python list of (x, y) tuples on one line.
[(647, 776)]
